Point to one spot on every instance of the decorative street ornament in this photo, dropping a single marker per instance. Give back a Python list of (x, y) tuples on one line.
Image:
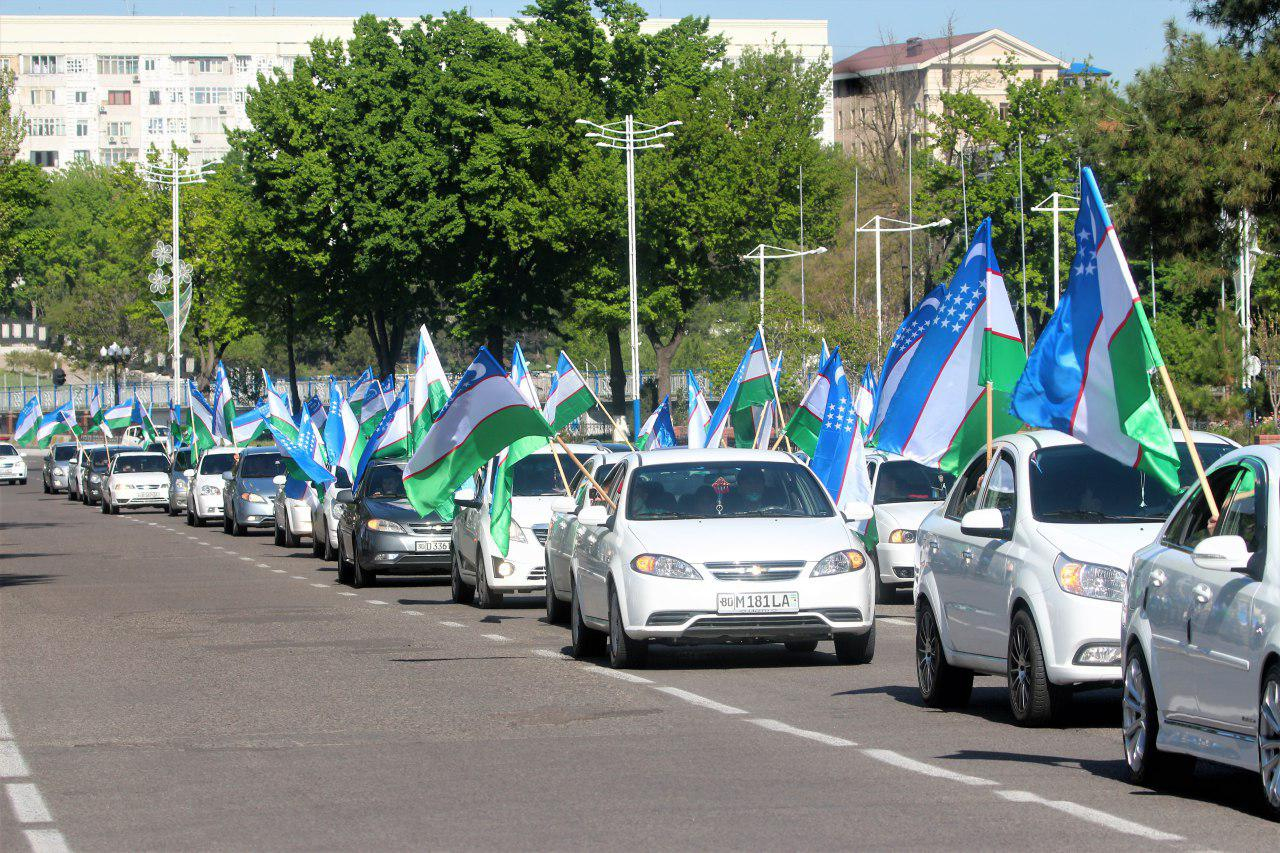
[(184, 272), (165, 307), (162, 253), (159, 280)]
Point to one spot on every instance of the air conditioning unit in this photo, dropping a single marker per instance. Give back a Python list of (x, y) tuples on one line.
[(195, 140), (102, 110), (137, 79), (111, 140), (222, 111)]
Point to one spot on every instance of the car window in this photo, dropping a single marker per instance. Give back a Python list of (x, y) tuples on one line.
[(182, 460), (384, 483), (63, 452), (910, 482), (731, 489), (261, 466), (217, 463), (1001, 491), (612, 484), (1191, 523), (1240, 515), (341, 479), (579, 484), (8, 450), (538, 475), (964, 496)]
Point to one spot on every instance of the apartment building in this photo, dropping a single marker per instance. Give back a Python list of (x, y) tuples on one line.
[(107, 88)]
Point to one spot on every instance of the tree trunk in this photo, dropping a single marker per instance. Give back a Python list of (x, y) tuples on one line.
[(381, 345), (666, 353), (617, 373), (493, 339), (293, 365)]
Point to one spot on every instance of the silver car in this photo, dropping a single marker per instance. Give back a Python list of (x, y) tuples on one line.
[(324, 519), (183, 459), (54, 476), (249, 488), (1202, 631)]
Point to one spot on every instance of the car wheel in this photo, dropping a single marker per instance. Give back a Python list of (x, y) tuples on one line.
[(226, 524), (344, 565), (44, 486), (237, 529), (1269, 737), (105, 509), (318, 538), (360, 577), (70, 494), (856, 648), (1032, 698), (941, 684), (586, 641), (115, 509), (1147, 763), (277, 533), (23, 481), (557, 610), (624, 652), (330, 553), (462, 591), (291, 539), (801, 647), (486, 598)]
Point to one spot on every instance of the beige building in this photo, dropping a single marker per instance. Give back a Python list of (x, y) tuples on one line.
[(881, 91), (107, 88)]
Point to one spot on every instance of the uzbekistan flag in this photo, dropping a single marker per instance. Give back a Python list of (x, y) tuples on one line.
[(247, 427), (26, 428), (60, 421), (200, 417), (864, 402), (699, 413), (340, 431), (1089, 374), (750, 385), (224, 406), (430, 387), (305, 452), (485, 414), (390, 438), (839, 459), (901, 349), (938, 414), (116, 417), (279, 412), (569, 398), (500, 508), (806, 422), (658, 431), (357, 388)]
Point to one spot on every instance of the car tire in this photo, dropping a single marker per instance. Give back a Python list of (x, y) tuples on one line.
[(801, 647), (23, 481), (226, 524), (1032, 698), (44, 486), (330, 553), (277, 534), (624, 652), (70, 495), (941, 684), (291, 539), (586, 641), (486, 598), (1140, 727), (105, 509), (856, 648), (318, 538), (557, 610), (344, 565), (462, 592), (360, 577), (1269, 738), (237, 529)]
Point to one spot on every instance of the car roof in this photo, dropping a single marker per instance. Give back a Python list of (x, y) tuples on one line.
[(577, 449), (144, 453), (257, 451), (1035, 439), (221, 451), (709, 454)]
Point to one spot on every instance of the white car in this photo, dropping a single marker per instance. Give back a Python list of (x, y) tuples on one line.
[(13, 468), (1202, 632), (481, 574), (136, 479), (291, 516), (564, 530), (903, 492), (1022, 570), (714, 546), (204, 485), (324, 518)]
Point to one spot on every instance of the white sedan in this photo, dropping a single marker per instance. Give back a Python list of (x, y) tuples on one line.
[(903, 493), (713, 546), (204, 489), (563, 533), (136, 479), (13, 468)]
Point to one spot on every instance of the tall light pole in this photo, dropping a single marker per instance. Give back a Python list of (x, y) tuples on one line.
[(631, 136), (116, 355), (876, 225), (765, 252), (1053, 204), (173, 175)]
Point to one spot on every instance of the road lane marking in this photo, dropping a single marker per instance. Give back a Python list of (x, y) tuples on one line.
[(28, 805), (695, 699), (374, 601), (46, 841), (6, 733), (280, 571), (888, 756), (553, 655), (12, 763), (453, 624), (263, 566), (247, 559), (348, 593), (778, 726), (412, 612), (497, 638), (894, 620), (298, 577), (321, 585), (616, 673), (1091, 815)]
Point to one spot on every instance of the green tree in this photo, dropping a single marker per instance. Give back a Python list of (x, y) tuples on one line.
[(23, 187), (1248, 23)]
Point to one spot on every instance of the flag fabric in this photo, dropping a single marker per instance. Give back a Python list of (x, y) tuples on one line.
[(141, 418), (96, 406), (1090, 372), (316, 410), (305, 451), (199, 419), (390, 438), (340, 431), (839, 459), (569, 398), (430, 387), (699, 413), (764, 429), (357, 388), (500, 506), (26, 428), (58, 422), (938, 415), (750, 385), (177, 426), (658, 431), (279, 413), (224, 406), (245, 428), (484, 414), (117, 417), (864, 401), (902, 349), (806, 421)]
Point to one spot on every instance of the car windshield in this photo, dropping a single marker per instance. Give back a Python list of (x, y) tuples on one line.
[(1078, 485), (64, 452), (910, 482), (738, 489), (182, 459), (217, 463), (537, 475), (261, 466), (384, 483), (139, 464), (8, 450), (98, 459)]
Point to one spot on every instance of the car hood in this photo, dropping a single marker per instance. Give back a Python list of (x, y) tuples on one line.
[(904, 516), (400, 510), (528, 511), (743, 539), (1108, 544), (265, 486)]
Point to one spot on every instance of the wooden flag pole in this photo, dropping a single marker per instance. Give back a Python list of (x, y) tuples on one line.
[(990, 426), (587, 473), (611, 418), (555, 455), (1191, 445)]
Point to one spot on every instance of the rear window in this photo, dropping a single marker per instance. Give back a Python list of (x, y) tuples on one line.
[(537, 475), (261, 465), (182, 460), (217, 463), (911, 482)]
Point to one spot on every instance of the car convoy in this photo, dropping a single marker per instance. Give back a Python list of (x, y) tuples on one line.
[(1044, 562)]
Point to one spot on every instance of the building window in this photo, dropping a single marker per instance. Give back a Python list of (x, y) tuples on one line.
[(43, 64), (5, 63), (40, 97), (75, 65), (210, 95), (149, 64), (242, 64), (46, 127), (120, 97), (48, 159), (206, 124), (80, 156), (119, 128), (153, 97), (112, 156), (82, 127), (1038, 74), (155, 126), (117, 65), (177, 125), (177, 96), (209, 66), (1004, 111), (82, 97)]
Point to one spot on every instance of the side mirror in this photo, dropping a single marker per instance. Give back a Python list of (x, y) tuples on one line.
[(465, 493), (344, 496), (988, 523), (564, 506), (594, 515), (189, 473), (858, 511), (278, 479), (1222, 553), (228, 476), (467, 503)]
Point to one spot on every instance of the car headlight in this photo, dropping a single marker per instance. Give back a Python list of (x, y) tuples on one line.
[(662, 566), (95, 478), (1089, 579), (252, 497), (839, 563), (381, 525), (122, 487), (902, 537), (180, 485), (210, 490), (516, 533)]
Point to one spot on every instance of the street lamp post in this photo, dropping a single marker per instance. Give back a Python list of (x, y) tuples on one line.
[(116, 355), (876, 225), (1053, 204), (630, 136), (765, 252)]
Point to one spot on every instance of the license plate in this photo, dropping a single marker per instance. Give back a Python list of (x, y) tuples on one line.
[(758, 602), (432, 544), (151, 495)]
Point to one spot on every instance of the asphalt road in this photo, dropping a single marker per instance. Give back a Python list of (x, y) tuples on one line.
[(171, 688)]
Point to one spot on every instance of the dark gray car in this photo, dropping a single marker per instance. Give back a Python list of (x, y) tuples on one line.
[(249, 488), (380, 533), (54, 476)]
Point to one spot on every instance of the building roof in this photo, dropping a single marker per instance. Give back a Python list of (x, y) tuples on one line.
[(910, 52), (1084, 69)]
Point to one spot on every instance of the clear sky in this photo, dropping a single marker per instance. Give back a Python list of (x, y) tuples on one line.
[(1119, 35)]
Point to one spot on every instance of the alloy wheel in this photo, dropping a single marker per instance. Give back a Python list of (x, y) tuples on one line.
[(1134, 710), (927, 651), (1020, 670), (1269, 740)]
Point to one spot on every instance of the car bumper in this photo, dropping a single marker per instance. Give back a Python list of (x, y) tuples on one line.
[(1078, 624), (118, 499), (253, 514), (397, 554), (207, 506), (13, 473), (299, 519), (524, 569), (896, 563), (58, 479)]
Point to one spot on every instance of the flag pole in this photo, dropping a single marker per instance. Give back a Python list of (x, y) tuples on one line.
[(990, 406), (611, 418), (564, 481), (586, 473), (1191, 445)]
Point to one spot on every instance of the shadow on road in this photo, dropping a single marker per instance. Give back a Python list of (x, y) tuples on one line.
[(1094, 709), (457, 659), (12, 579)]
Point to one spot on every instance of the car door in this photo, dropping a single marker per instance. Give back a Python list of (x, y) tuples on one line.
[(944, 552), (1223, 647), (592, 552), (987, 564)]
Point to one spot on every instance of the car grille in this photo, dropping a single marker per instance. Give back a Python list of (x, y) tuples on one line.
[(800, 620), (540, 531), (775, 570), (427, 528), (538, 573)]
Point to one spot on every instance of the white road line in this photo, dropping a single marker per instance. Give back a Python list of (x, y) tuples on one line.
[(777, 726), (695, 699), (263, 566), (348, 593), (616, 673), (321, 585), (894, 620), (1091, 815), (280, 571), (548, 653), (374, 601), (888, 756), (412, 612), (246, 559), (6, 733), (12, 763), (28, 805), (46, 841), (453, 624), (298, 577), (497, 638)]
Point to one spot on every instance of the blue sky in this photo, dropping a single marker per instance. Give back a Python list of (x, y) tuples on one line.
[(1120, 35)]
